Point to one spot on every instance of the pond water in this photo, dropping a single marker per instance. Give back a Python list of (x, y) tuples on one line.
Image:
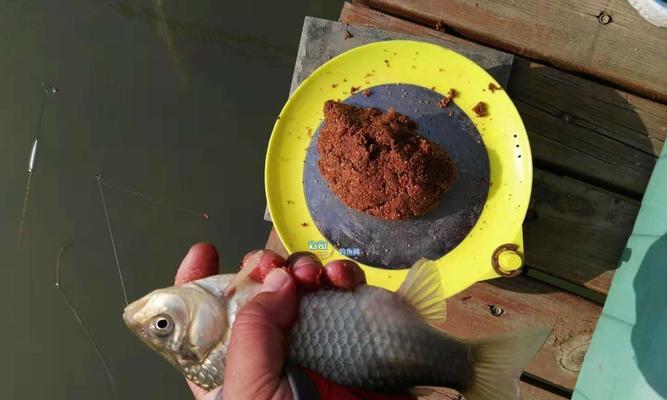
[(172, 104)]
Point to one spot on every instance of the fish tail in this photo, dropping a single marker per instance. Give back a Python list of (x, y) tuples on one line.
[(499, 362)]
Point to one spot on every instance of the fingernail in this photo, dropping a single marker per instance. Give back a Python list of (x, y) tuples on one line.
[(275, 280)]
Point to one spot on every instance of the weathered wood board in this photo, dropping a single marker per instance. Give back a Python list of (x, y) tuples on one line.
[(576, 231), (604, 38)]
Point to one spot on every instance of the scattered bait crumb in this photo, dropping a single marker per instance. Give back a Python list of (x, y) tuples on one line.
[(440, 26), (309, 132), (433, 88), (344, 80), (290, 202), (481, 109), (386, 62), (444, 102), (334, 85), (354, 89), (367, 93), (493, 87), (441, 70), (304, 224), (368, 75), (348, 35)]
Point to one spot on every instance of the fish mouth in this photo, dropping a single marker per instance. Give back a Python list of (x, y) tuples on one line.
[(130, 314)]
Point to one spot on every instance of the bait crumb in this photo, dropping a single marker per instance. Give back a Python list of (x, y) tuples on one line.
[(290, 202), (493, 87), (376, 162), (309, 132), (334, 85), (354, 89), (304, 224), (433, 88), (444, 102), (481, 109), (367, 93), (440, 26), (386, 62), (348, 35)]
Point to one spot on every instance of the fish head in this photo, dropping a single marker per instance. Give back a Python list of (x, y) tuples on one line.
[(182, 323)]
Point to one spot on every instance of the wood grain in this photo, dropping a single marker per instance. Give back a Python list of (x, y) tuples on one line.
[(576, 231), (627, 50), (528, 303), (600, 135)]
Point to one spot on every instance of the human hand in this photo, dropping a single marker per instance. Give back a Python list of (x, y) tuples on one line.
[(256, 355)]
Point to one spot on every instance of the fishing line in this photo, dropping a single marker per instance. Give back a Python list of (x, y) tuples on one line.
[(113, 242), (46, 90), (154, 200), (78, 318)]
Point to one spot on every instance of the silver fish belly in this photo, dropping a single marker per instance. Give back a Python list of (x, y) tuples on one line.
[(372, 338)]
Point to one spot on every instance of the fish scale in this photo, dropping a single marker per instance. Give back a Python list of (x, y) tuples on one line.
[(371, 338)]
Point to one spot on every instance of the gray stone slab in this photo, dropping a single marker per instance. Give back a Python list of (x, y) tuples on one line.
[(321, 40)]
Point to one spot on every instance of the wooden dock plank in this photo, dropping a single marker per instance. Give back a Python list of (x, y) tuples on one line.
[(525, 303), (569, 34), (528, 303), (598, 134), (587, 129), (576, 231)]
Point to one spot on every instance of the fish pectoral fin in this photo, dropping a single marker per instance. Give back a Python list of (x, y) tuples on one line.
[(423, 290)]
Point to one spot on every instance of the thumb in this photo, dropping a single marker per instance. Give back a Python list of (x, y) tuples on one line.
[(258, 343)]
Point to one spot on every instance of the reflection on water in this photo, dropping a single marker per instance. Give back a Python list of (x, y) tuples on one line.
[(172, 103)]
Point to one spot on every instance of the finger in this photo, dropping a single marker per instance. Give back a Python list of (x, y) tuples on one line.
[(306, 269), (259, 341), (268, 260), (344, 274), (201, 261)]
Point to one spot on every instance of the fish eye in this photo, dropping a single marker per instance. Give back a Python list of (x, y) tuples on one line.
[(162, 325)]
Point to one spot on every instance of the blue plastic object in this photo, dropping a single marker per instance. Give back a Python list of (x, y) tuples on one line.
[(627, 355)]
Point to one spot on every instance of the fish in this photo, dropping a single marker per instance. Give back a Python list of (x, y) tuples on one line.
[(369, 337)]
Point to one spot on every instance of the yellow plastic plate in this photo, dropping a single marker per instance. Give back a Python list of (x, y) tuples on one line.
[(430, 66)]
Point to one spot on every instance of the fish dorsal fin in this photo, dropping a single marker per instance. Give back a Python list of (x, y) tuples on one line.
[(423, 290)]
